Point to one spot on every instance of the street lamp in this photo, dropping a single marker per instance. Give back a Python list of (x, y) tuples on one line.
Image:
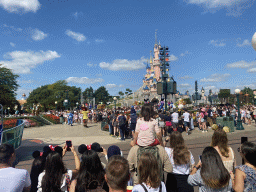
[(77, 105), (254, 93), (115, 102), (8, 111), (239, 125), (56, 102), (65, 103)]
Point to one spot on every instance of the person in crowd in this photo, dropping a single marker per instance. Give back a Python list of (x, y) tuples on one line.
[(186, 117), (12, 179), (55, 176), (85, 116), (121, 124), (233, 114), (209, 117), (111, 117), (182, 161), (245, 175), (133, 160), (70, 118), (168, 123), (220, 143), (115, 125), (90, 175), (133, 121), (117, 174), (147, 128), (203, 118), (36, 169), (149, 175), (193, 117), (210, 174)]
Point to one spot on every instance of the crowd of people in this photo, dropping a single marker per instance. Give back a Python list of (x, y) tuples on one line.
[(150, 158)]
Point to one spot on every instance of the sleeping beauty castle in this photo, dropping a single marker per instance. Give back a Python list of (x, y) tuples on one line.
[(153, 74)]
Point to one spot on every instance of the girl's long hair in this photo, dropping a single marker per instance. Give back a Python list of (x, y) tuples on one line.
[(36, 169), (54, 170), (181, 154), (91, 173), (147, 112), (213, 172), (220, 139), (148, 170)]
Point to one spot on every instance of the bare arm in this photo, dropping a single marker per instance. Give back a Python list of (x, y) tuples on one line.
[(135, 137), (159, 136), (238, 182), (73, 186), (77, 162), (195, 168)]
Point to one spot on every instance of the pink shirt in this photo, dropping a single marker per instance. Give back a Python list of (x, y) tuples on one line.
[(146, 130)]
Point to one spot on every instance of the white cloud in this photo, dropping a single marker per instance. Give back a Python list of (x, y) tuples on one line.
[(38, 35), (246, 42), (12, 44), (185, 77), (184, 85), (252, 70), (76, 36), (15, 6), (22, 62), (183, 54), (173, 58), (241, 64), (234, 7), (124, 65), (216, 78), (217, 43), (91, 65), (12, 27), (110, 86), (121, 85), (99, 40), (83, 80)]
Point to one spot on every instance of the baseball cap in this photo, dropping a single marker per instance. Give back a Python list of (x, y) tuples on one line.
[(113, 150)]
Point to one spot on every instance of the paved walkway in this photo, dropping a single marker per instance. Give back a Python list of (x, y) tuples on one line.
[(38, 137)]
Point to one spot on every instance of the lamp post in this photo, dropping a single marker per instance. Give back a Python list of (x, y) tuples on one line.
[(8, 111), (239, 125), (115, 102), (56, 102), (77, 105), (65, 103), (254, 93)]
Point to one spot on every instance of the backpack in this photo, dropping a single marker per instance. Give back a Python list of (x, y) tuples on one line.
[(121, 121), (155, 151), (133, 119)]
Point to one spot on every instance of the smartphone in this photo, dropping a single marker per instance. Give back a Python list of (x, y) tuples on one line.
[(244, 139), (200, 158), (68, 144)]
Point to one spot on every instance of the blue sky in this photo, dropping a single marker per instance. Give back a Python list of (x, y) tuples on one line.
[(107, 43)]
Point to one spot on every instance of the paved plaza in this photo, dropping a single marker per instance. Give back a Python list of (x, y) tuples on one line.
[(37, 137)]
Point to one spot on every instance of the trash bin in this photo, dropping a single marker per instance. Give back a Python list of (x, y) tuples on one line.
[(231, 124)]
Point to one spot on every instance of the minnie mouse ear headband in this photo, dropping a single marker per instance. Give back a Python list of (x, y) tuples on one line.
[(47, 150), (94, 146)]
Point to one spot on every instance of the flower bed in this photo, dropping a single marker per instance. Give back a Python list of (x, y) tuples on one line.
[(10, 123), (30, 123), (52, 118)]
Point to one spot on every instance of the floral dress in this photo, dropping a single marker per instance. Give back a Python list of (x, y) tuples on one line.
[(250, 180)]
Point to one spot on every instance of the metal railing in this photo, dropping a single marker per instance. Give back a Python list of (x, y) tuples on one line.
[(13, 135)]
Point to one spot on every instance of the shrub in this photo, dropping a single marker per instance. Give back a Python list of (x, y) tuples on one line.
[(10, 123), (52, 118)]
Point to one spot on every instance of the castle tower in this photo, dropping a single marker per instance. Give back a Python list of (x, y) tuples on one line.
[(156, 60)]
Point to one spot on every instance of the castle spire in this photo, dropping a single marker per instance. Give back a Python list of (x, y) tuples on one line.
[(151, 60), (156, 37)]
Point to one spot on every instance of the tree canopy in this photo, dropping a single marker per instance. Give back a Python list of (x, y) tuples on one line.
[(8, 86), (101, 95)]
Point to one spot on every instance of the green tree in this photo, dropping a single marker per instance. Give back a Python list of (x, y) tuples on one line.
[(8, 86), (247, 98), (101, 95), (88, 94), (187, 100), (47, 95), (224, 94), (121, 94), (128, 91)]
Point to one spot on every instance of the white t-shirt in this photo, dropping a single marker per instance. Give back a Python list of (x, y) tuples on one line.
[(179, 169), (139, 188), (63, 181), (186, 116), (14, 180), (175, 117)]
